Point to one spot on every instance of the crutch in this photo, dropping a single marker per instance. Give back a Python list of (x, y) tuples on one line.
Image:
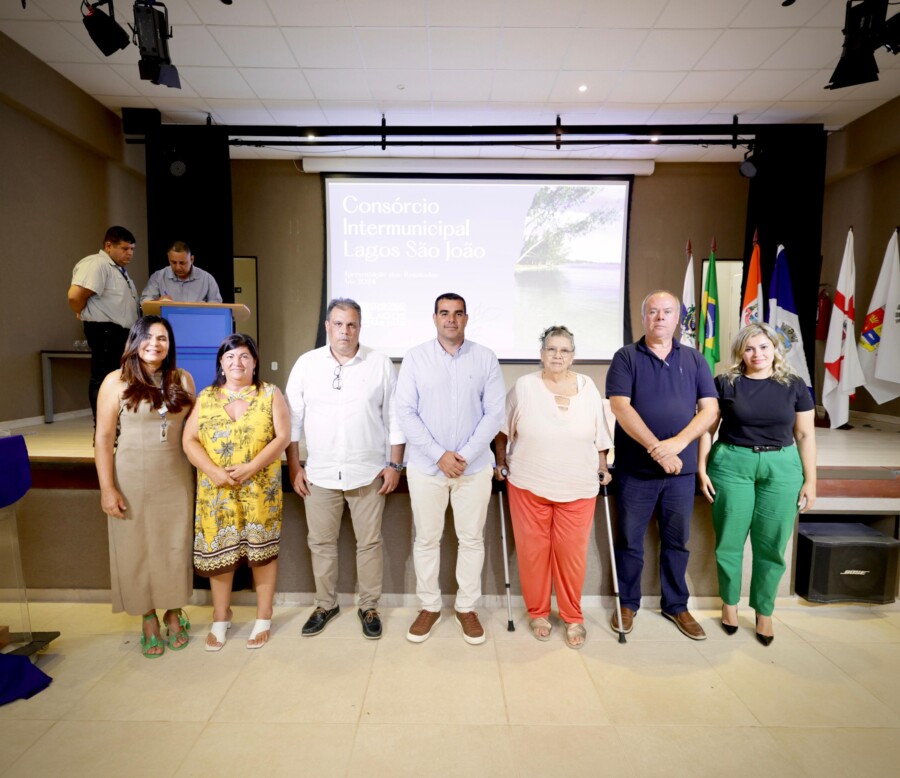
[(612, 561), (510, 627)]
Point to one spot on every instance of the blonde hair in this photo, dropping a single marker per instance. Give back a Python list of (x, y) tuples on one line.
[(782, 372)]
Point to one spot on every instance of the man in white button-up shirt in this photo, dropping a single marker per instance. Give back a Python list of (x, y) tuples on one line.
[(342, 397)]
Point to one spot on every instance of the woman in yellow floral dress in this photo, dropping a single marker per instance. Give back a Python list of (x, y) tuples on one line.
[(234, 436)]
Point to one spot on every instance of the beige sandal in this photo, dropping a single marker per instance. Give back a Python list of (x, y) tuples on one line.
[(574, 631), (537, 625)]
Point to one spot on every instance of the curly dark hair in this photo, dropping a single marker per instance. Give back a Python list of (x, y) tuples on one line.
[(556, 331)]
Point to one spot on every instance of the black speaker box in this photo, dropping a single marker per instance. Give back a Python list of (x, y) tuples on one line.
[(846, 563), (140, 121)]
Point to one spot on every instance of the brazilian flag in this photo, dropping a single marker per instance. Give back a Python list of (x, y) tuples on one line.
[(709, 316)]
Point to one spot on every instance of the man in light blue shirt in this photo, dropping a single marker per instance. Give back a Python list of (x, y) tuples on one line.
[(450, 404), (181, 282)]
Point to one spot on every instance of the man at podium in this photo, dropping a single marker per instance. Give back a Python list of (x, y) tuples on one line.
[(181, 281)]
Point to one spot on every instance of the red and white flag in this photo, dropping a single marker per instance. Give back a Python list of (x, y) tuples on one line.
[(752, 307), (843, 372), (879, 341)]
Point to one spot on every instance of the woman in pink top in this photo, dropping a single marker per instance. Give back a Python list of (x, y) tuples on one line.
[(558, 439)]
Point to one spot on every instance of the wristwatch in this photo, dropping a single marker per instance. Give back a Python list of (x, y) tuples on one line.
[(396, 466), (504, 471)]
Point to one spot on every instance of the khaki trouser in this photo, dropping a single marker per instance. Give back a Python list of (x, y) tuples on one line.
[(324, 510)]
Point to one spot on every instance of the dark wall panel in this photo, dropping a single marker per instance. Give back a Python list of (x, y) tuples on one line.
[(785, 205), (189, 198)]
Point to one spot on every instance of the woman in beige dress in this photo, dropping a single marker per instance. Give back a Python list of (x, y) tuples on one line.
[(146, 483)]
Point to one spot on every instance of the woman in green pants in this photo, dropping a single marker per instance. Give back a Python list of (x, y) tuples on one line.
[(760, 472)]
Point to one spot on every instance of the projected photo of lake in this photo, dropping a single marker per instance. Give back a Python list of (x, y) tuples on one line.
[(578, 295), (570, 267)]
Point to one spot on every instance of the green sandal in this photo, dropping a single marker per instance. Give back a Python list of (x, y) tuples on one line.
[(181, 633), (148, 643)]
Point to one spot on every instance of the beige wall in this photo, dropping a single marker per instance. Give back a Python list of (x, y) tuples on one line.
[(66, 178), (279, 218), (677, 203), (863, 191)]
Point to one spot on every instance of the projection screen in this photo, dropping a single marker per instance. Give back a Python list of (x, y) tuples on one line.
[(525, 253)]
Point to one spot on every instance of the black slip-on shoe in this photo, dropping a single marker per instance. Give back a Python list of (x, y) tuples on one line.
[(316, 623), (371, 623)]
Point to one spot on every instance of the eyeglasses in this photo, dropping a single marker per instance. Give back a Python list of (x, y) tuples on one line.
[(562, 352), (337, 383)]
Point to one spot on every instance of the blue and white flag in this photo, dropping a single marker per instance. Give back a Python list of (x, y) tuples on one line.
[(783, 317)]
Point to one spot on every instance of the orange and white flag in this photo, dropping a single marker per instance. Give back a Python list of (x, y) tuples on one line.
[(752, 307)]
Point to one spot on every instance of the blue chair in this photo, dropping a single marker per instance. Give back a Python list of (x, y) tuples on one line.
[(15, 481)]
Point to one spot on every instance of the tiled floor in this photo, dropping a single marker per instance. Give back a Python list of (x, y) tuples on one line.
[(823, 700)]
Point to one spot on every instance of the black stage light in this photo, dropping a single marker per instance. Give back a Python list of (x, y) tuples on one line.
[(892, 34), (864, 27), (750, 166), (109, 36), (152, 32)]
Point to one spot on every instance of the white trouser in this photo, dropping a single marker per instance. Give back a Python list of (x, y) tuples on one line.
[(469, 495)]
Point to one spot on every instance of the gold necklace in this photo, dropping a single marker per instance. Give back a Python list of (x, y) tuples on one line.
[(244, 393)]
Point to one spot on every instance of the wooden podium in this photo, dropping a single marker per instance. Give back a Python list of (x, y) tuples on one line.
[(199, 330)]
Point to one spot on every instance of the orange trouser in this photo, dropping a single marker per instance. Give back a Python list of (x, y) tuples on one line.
[(551, 544)]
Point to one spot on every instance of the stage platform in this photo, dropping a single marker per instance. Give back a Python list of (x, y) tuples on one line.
[(863, 462), (64, 546)]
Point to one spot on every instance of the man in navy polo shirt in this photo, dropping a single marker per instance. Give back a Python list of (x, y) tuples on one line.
[(663, 398)]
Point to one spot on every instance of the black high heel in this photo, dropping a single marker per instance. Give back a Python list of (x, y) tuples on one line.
[(729, 629), (766, 640)]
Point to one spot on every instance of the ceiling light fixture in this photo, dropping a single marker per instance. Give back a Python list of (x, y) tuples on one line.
[(892, 34), (104, 30), (151, 34), (582, 88), (866, 29), (750, 166)]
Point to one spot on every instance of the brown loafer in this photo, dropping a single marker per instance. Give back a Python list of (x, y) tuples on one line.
[(627, 621), (686, 624)]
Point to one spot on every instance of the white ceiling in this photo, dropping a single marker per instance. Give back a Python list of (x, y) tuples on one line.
[(475, 62)]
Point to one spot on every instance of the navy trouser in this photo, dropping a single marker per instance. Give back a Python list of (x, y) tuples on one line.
[(637, 499)]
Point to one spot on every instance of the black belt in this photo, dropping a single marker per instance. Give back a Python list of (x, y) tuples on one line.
[(759, 449)]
